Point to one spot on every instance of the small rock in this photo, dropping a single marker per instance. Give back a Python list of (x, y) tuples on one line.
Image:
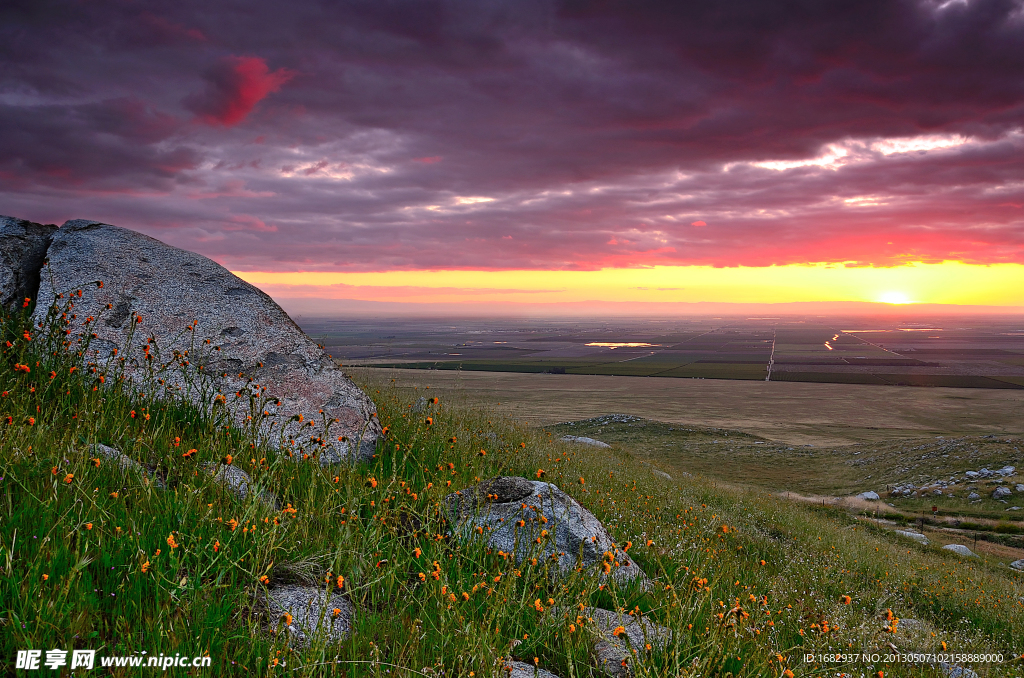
[(869, 495), (613, 653), (960, 549), (1019, 487), (419, 406), (1018, 564), (312, 611), (238, 483), (126, 463), (661, 474), (517, 669), (1001, 493), (973, 495), (956, 671), (496, 506), (583, 440), (916, 536)]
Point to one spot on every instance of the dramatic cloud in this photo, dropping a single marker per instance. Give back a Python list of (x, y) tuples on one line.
[(233, 88), (574, 135)]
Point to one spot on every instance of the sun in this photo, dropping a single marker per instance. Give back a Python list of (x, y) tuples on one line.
[(894, 298)]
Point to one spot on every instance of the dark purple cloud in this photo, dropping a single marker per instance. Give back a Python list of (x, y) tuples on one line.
[(533, 134)]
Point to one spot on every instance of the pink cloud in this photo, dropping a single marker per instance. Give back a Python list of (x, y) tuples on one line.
[(233, 89)]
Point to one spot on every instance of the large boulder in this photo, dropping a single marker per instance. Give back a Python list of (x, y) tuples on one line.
[(513, 513), (204, 330), (22, 251)]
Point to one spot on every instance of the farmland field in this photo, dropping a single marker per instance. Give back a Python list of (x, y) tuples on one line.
[(977, 352)]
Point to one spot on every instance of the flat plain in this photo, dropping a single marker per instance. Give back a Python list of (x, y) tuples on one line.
[(949, 351), (796, 413)]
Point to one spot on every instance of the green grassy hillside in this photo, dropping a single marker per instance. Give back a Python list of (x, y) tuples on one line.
[(170, 562)]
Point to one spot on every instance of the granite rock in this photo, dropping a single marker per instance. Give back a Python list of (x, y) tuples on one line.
[(575, 536), (960, 549), (312, 612), (22, 251), (232, 337), (240, 484)]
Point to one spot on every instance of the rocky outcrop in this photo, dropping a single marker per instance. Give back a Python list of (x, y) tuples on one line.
[(514, 513), (22, 251), (310, 611), (165, 309)]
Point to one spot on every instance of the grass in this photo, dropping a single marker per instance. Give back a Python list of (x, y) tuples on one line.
[(95, 558)]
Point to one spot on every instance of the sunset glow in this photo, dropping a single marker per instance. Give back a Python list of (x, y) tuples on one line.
[(484, 153), (946, 283)]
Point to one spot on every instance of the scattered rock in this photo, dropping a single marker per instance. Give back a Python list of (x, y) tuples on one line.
[(661, 474), (869, 495), (575, 535), (583, 440), (956, 671), (239, 483), (22, 251), (1019, 487), (973, 495), (916, 536), (515, 669), (126, 463), (312, 612), (186, 300), (960, 549), (1018, 564), (1001, 493), (612, 652)]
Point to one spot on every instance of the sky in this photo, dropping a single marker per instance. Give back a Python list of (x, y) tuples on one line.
[(536, 153)]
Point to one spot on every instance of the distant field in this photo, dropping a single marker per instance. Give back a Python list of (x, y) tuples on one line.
[(794, 413), (948, 353)]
